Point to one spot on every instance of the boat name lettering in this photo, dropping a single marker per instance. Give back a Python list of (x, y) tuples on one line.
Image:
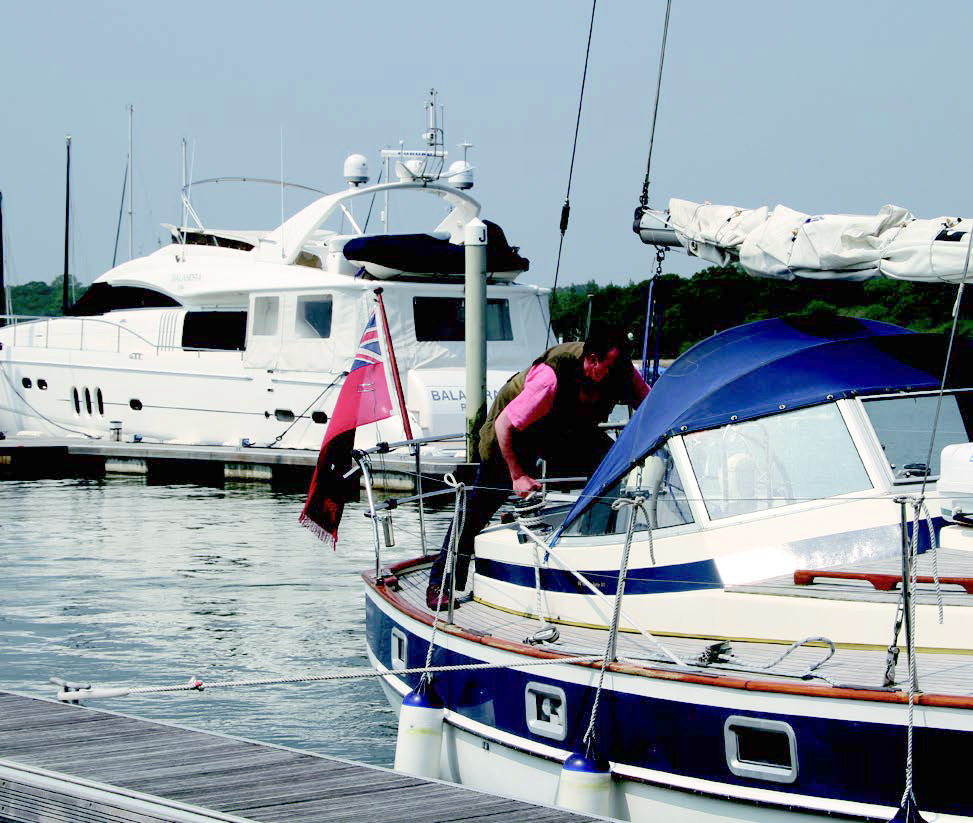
[(186, 277), (455, 395)]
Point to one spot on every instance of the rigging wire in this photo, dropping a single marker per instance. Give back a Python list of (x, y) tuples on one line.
[(566, 208), (121, 211), (644, 199)]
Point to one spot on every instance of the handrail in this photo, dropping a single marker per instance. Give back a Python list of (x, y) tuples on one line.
[(16, 320)]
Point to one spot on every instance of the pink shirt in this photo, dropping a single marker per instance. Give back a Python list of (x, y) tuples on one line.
[(537, 397)]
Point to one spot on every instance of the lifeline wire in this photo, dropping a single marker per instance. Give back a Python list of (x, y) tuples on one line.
[(566, 208)]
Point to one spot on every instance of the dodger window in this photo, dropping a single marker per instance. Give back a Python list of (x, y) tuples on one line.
[(903, 426), (444, 318)]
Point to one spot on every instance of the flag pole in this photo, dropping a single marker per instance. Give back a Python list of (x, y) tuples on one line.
[(394, 367)]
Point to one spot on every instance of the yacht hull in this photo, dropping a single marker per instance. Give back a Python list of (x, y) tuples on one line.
[(665, 733)]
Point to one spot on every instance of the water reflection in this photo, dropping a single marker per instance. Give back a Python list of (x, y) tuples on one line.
[(118, 582)]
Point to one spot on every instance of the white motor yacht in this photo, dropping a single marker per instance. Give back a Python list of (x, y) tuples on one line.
[(243, 337)]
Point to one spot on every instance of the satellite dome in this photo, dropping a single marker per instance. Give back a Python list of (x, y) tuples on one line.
[(356, 169), (460, 174)]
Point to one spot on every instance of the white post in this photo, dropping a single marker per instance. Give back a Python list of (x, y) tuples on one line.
[(475, 240)]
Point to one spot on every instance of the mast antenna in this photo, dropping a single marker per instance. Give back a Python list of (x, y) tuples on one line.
[(131, 170)]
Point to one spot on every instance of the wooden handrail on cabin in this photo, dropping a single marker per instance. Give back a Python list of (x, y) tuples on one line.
[(880, 582)]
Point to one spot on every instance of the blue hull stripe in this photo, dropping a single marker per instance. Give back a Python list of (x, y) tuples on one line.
[(652, 580)]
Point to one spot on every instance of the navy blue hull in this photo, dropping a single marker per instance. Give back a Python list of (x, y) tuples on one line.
[(839, 759)]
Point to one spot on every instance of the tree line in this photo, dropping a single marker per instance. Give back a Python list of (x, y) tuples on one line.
[(689, 309), (717, 298)]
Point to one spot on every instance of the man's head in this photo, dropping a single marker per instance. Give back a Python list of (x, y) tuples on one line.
[(603, 348)]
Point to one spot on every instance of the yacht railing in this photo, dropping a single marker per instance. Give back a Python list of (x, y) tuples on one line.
[(16, 321)]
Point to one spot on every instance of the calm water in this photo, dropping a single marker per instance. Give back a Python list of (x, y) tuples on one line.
[(117, 582)]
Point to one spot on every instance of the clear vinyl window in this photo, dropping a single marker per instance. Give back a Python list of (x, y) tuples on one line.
[(903, 426), (806, 454), (314, 316), (265, 314), (658, 481)]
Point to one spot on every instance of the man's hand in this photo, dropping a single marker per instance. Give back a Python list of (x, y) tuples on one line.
[(524, 485)]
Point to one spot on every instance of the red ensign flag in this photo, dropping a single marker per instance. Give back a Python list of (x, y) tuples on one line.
[(364, 398)]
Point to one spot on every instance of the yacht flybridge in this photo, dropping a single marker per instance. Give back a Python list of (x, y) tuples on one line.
[(243, 337)]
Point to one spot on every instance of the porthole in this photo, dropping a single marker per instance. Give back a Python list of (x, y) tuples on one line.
[(87, 400), (101, 402), (399, 650), (77, 401), (545, 708), (135, 404), (42, 384), (26, 383), (319, 417), (284, 415), (760, 749)]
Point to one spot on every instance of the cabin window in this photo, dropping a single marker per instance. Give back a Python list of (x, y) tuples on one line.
[(399, 651), (903, 426), (313, 316), (546, 710), (265, 312), (806, 454), (444, 319), (760, 749), (220, 330), (658, 481), (101, 298)]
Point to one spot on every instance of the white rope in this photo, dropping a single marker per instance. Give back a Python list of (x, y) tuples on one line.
[(907, 792), (362, 674), (637, 504), (459, 517), (551, 553)]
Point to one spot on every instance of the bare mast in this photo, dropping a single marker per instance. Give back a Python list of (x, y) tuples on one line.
[(67, 217)]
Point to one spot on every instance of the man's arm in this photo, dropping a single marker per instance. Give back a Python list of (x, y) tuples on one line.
[(534, 402), (523, 483)]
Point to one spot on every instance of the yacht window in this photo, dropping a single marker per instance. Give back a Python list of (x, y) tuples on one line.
[(806, 454), (265, 311), (903, 425), (221, 330), (101, 298), (665, 500), (444, 318), (314, 316)]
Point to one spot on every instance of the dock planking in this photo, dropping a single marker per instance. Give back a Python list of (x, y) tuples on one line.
[(74, 763)]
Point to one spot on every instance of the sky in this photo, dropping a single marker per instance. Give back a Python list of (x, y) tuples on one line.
[(831, 106)]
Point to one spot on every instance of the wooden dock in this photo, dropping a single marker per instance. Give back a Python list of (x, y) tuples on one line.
[(31, 458), (61, 762)]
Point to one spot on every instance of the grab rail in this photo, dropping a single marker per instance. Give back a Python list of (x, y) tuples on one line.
[(15, 321)]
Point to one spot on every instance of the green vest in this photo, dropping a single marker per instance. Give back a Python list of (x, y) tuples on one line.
[(567, 413)]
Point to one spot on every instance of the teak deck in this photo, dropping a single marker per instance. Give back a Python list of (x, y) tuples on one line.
[(61, 762)]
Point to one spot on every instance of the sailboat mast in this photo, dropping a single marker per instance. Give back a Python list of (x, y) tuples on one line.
[(3, 290), (131, 231), (67, 217)]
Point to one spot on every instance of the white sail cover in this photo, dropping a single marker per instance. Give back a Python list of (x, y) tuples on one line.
[(784, 243)]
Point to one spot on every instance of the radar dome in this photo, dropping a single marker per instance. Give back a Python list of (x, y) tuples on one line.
[(356, 169), (461, 174)]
